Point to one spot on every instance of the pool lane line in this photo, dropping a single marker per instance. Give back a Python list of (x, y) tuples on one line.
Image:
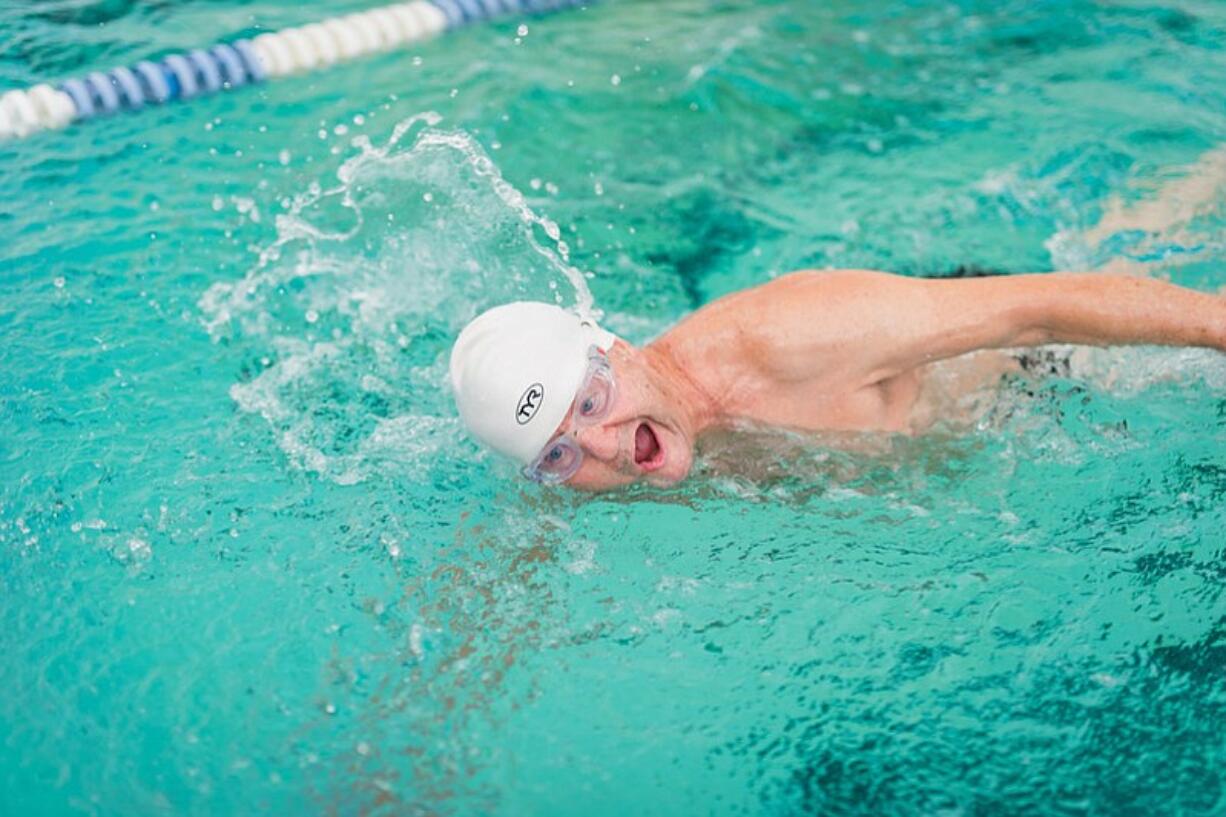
[(226, 66)]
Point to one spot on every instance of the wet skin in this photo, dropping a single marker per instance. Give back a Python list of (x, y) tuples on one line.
[(847, 350), (647, 434)]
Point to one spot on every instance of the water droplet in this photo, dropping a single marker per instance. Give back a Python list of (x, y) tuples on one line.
[(139, 550)]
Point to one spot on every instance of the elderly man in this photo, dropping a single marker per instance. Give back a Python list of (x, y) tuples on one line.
[(843, 350)]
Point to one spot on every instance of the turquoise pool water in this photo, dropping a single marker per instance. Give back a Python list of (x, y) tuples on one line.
[(249, 563)]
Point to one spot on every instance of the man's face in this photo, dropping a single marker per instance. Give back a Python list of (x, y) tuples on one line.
[(641, 438)]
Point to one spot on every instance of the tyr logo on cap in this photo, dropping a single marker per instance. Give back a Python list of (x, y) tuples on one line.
[(529, 403)]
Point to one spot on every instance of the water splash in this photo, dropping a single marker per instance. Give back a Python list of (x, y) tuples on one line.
[(351, 309)]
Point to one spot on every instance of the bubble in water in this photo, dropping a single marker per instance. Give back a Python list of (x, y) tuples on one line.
[(415, 640), (391, 545), (133, 551)]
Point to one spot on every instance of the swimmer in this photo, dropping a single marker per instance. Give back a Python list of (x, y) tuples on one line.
[(840, 350)]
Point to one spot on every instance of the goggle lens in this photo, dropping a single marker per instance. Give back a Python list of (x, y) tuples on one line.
[(562, 457), (558, 462)]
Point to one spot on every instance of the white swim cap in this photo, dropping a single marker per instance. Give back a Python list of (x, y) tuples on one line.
[(515, 370)]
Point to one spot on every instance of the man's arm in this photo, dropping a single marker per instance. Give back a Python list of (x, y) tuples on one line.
[(868, 326)]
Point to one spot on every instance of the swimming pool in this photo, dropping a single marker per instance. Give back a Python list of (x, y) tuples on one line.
[(250, 563)]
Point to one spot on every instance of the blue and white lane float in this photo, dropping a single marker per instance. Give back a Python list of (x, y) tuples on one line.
[(244, 62)]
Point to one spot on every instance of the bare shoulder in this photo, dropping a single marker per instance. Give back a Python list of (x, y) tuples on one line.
[(804, 291), (791, 326), (794, 292)]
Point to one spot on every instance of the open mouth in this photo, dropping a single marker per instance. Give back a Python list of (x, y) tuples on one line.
[(648, 454)]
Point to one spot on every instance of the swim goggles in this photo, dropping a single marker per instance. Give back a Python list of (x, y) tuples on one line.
[(562, 456)]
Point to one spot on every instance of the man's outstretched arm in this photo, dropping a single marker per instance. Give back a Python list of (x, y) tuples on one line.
[(867, 326)]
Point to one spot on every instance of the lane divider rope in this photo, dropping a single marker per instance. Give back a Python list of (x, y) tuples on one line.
[(231, 65)]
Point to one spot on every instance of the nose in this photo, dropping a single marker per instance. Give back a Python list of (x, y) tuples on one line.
[(599, 442)]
